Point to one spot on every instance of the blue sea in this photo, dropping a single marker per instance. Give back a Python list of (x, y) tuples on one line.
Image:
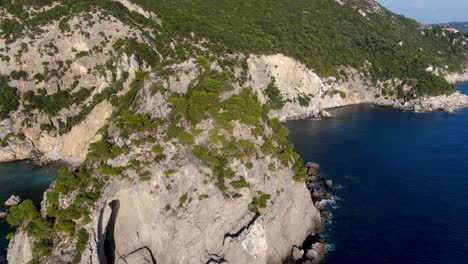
[(25, 180), (403, 183)]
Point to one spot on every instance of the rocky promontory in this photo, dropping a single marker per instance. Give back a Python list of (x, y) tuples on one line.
[(173, 130), (448, 103)]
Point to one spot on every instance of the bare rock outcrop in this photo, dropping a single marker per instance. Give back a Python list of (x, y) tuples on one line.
[(448, 103), (20, 249), (57, 58), (13, 200), (135, 223), (461, 76)]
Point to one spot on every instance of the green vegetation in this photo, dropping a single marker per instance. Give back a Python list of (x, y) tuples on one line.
[(201, 99), (203, 197), (129, 122), (109, 170), (240, 184), (9, 99), (81, 54), (142, 51), (183, 199), (158, 150), (244, 107), (52, 104), (17, 75), (429, 84), (333, 92), (337, 35), (22, 213), (59, 220), (275, 99), (259, 202), (103, 150), (126, 101), (303, 100), (83, 238), (105, 94), (10, 29)]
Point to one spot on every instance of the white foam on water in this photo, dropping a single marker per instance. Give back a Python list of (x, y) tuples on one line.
[(330, 202), (330, 247)]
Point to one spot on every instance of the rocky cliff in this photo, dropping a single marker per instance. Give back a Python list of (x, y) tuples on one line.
[(177, 150)]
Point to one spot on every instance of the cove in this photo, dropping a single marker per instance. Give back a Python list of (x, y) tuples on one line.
[(26, 180), (403, 182)]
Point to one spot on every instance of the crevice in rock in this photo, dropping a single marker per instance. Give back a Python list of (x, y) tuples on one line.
[(109, 242), (246, 227), (215, 259), (147, 249), (310, 240)]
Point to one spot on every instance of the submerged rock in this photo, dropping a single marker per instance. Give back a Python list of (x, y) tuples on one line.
[(326, 114), (319, 195), (313, 169), (3, 215)]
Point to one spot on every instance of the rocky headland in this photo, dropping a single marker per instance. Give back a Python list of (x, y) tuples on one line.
[(175, 143)]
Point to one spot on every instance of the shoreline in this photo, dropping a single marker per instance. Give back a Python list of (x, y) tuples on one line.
[(457, 77), (315, 247), (447, 103)]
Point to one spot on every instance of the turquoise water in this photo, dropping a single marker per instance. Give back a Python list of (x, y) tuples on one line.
[(27, 181), (403, 181)]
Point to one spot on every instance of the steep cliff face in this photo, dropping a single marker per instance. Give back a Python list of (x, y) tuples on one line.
[(192, 171), (58, 73), (135, 223), (20, 249), (71, 147), (304, 93)]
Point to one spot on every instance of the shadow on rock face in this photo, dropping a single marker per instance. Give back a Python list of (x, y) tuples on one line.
[(109, 242)]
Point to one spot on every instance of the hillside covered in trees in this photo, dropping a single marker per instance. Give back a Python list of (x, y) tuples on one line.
[(170, 111)]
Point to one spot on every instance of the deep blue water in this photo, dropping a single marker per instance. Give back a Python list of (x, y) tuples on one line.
[(404, 183), (27, 181)]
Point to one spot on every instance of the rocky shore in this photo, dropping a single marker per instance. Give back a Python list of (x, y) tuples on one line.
[(447, 103), (314, 248), (458, 77)]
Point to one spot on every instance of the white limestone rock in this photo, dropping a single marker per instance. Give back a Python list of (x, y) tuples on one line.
[(20, 249), (13, 200)]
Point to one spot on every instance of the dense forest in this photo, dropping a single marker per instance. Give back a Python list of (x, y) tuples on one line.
[(323, 34)]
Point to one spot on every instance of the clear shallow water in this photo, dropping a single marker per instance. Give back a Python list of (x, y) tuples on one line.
[(27, 181), (404, 179)]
